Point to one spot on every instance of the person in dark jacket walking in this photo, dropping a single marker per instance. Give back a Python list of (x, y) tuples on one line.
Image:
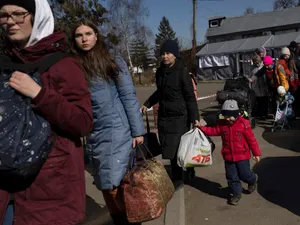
[(57, 195), (294, 65), (178, 108), (260, 87)]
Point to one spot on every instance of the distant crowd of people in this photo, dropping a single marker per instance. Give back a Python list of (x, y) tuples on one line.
[(268, 74), (88, 92)]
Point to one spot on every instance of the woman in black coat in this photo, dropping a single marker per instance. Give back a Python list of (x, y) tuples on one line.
[(178, 108)]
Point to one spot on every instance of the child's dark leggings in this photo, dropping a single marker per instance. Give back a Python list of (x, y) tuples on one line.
[(237, 172)]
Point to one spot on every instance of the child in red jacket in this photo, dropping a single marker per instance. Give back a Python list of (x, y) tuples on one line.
[(237, 141)]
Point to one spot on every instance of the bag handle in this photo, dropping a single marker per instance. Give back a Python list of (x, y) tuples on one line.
[(131, 162), (134, 153), (139, 147), (147, 121)]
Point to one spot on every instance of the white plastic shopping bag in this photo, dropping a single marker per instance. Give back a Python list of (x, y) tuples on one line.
[(194, 150)]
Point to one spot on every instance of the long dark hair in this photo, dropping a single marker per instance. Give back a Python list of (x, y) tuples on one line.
[(98, 62)]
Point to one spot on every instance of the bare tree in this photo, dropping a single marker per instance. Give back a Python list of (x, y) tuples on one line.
[(127, 21), (184, 44), (283, 4), (249, 10)]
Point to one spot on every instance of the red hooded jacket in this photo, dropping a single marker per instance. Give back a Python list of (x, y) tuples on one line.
[(57, 196), (237, 139)]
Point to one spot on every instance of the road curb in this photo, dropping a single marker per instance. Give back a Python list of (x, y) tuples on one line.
[(175, 212)]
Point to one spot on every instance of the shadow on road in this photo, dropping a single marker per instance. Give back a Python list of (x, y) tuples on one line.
[(279, 182), (210, 187), (283, 139), (95, 215)]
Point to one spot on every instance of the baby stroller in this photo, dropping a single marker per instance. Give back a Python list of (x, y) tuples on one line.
[(239, 89), (282, 117)]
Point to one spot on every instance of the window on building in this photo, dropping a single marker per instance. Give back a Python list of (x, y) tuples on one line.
[(214, 23)]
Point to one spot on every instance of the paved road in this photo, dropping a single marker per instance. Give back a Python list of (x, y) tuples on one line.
[(275, 203), (277, 199)]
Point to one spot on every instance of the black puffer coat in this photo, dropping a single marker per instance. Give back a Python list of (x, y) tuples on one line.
[(177, 106)]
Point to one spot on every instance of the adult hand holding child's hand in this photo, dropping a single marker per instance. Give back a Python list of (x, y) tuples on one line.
[(196, 124)]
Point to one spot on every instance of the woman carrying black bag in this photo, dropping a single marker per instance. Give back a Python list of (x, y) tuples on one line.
[(178, 108)]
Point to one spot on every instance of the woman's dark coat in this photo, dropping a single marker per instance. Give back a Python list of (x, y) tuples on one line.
[(177, 106)]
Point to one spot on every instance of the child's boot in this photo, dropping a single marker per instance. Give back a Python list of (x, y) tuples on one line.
[(252, 187), (234, 200)]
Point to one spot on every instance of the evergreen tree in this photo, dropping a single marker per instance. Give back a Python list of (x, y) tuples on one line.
[(166, 32), (68, 12), (140, 54)]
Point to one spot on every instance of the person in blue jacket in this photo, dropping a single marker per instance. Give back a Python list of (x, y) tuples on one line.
[(118, 122)]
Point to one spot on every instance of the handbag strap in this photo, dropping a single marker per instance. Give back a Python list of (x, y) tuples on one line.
[(131, 160), (147, 121), (139, 147), (133, 154), (41, 65)]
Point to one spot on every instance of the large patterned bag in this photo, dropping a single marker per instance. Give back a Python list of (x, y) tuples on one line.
[(147, 190)]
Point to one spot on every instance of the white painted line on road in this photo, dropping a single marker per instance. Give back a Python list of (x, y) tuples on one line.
[(206, 97), (198, 99)]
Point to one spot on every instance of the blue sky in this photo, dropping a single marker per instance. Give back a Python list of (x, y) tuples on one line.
[(179, 13)]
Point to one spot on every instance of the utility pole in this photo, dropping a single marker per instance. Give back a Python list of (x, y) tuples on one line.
[(194, 41)]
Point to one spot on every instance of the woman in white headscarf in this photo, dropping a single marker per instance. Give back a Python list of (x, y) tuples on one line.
[(57, 194)]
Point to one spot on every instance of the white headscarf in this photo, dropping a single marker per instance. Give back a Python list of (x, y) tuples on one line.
[(43, 22)]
